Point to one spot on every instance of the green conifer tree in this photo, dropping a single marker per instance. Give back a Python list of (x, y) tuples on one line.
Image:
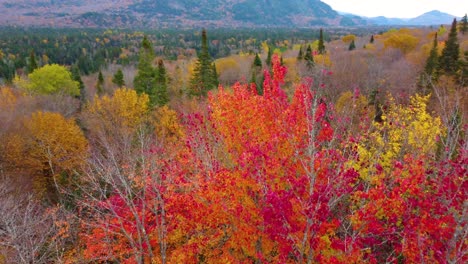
[(432, 61), (352, 45), (257, 61), (144, 80), (309, 57), (270, 54), (215, 75), (204, 76), (300, 55), (464, 25), (75, 71), (371, 39), (321, 45), (100, 84), (448, 61), (32, 65), (160, 94), (430, 72), (118, 78)]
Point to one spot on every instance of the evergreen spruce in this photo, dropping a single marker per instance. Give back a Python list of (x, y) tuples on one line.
[(160, 95), (32, 65), (144, 80), (215, 76), (371, 39), (204, 76), (430, 73), (352, 45), (257, 61), (309, 57), (100, 84), (448, 61), (270, 53), (118, 78), (464, 25), (321, 45), (253, 78), (260, 86), (431, 64), (75, 71), (464, 69), (300, 55)]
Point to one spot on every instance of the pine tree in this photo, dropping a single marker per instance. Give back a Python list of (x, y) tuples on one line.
[(432, 61), (300, 55), (118, 78), (100, 84), (430, 72), (160, 95), (32, 65), (448, 61), (204, 76), (464, 25), (260, 86), (321, 46), (75, 71), (253, 78), (464, 69), (215, 75), (309, 57), (257, 61), (270, 53), (352, 45), (144, 80), (371, 39)]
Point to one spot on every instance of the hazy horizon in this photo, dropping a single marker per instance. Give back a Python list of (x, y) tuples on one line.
[(398, 8)]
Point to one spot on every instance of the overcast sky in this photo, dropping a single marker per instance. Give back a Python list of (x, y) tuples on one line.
[(398, 8)]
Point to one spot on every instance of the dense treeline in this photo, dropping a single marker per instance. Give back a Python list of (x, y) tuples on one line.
[(91, 49)]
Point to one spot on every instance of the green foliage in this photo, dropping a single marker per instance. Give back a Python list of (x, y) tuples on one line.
[(257, 61), (371, 39), (300, 55), (204, 76), (321, 46), (352, 45), (100, 84), (52, 79), (448, 61), (309, 57), (161, 97), (431, 68), (32, 65), (464, 24), (77, 77), (118, 78), (270, 53), (144, 81)]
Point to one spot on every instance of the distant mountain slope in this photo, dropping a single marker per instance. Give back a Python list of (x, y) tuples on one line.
[(427, 19), (172, 13), (432, 18)]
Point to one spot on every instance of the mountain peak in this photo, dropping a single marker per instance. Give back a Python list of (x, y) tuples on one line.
[(174, 13)]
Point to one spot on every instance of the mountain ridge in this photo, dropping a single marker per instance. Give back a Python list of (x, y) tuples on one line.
[(174, 13), (434, 17)]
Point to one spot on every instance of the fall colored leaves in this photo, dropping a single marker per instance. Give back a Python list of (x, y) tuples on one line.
[(264, 179)]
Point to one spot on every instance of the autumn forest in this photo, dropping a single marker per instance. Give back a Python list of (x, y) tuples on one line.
[(318, 145)]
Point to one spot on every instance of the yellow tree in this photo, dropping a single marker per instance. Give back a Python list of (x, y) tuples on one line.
[(404, 130), (402, 41), (55, 148), (114, 121)]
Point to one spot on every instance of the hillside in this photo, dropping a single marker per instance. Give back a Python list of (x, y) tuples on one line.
[(434, 17), (176, 13)]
